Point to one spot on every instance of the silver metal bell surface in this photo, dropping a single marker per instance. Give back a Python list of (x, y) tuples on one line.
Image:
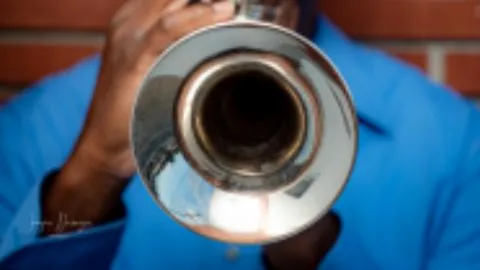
[(244, 131)]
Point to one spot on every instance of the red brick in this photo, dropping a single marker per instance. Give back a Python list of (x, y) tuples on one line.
[(25, 63), (366, 19), (462, 72), (55, 14), (418, 59), (406, 19)]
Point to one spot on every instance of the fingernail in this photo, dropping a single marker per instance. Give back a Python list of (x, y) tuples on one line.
[(223, 7)]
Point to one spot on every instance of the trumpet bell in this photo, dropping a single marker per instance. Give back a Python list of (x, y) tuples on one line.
[(244, 132)]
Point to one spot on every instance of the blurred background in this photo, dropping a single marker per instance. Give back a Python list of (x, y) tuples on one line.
[(440, 37)]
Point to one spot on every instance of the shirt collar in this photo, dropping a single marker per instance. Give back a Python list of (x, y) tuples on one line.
[(354, 64)]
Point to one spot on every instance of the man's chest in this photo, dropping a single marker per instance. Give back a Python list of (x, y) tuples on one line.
[(386, 208)]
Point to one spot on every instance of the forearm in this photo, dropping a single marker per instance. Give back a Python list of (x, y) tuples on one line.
[(80, 195)]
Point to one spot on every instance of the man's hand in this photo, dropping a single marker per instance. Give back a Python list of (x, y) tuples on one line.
[(89, 186), (306, 250), (139, 33)]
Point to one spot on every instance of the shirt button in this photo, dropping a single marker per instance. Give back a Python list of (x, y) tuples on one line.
[(232, 253)]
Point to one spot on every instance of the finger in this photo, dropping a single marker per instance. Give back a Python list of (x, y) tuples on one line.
[(177, 24), (151, 12), (174, 6), (307, 249), (137, 16), (155, 12), (125, 11), (195, 17)]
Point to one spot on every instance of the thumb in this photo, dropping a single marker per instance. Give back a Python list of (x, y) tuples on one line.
[(305, 250)]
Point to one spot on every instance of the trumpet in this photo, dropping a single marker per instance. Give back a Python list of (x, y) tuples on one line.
[(244, 131)]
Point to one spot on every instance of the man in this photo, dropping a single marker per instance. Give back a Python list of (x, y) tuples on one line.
[(411, 202)]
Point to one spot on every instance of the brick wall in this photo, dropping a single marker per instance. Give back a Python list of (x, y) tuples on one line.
[(441, 37)]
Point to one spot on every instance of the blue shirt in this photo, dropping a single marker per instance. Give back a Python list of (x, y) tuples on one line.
[(413, 200)]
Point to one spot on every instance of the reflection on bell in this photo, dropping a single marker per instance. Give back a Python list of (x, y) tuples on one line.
[(244, 132), (237, 213)]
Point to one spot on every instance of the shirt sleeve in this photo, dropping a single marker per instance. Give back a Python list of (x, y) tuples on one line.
[(458, 243), (38, 129)]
